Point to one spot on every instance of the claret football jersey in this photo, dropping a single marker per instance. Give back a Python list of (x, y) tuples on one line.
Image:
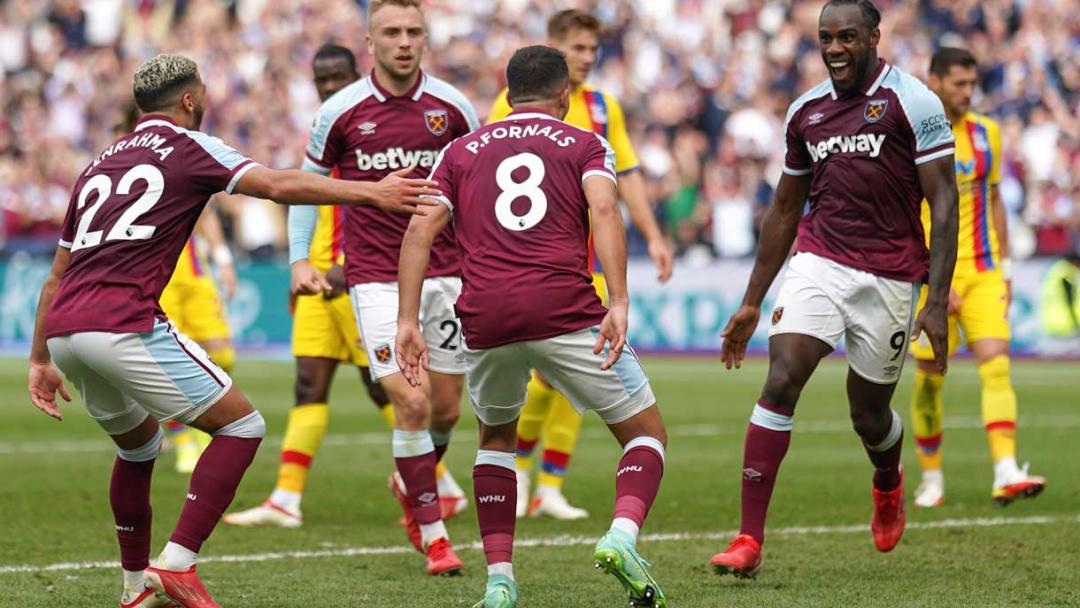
[(862, 150), (131, 213), (367, 133), (522, 222)]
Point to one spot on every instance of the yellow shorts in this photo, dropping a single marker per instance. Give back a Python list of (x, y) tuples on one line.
[(600, 283), (194, 306), (327, 328), (983, 314)]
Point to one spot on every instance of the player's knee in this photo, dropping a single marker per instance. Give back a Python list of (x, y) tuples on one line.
[(444, 421), (413, 410), (994, 373), (782, 388), (251, 426), (145, 452), (870, 425), (377, 393), (308, 388)]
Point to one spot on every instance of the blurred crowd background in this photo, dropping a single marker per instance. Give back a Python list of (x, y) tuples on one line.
[(704, 83)]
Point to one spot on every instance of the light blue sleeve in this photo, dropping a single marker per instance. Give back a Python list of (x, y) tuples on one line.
[(933, 134), (302, 222)]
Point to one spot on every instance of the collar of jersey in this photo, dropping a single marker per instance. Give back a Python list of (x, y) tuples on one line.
[(883, 70), (527, 114), (154, 120), (382, 94)]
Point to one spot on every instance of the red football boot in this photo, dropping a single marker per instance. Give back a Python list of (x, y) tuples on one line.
[(742, 558), (412, 527), (441, 560), (184, 587), (890, 516)]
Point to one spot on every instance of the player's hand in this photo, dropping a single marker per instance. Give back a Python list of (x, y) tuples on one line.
[(663, 257), (412, 352), (226, 276), (45, 382), (396, 193), (955, 302), (612, 332), (306, 280), (740, 328), (336, 277), (933, 320)]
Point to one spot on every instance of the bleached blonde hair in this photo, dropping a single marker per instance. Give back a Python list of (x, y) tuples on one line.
[(161, 77)]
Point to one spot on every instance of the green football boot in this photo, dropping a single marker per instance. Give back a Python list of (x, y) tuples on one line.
[(501, 593), (615, 555)]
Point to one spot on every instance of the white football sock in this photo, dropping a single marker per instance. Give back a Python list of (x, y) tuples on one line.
[(432, 532), (448, 486), (543, 491), (290, 501), (1005, 470), (135, 580), (626, 525), (503, 568), (177, 558)]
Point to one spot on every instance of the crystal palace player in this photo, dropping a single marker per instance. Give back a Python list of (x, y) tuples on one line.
[(396, 117), (131, 212), (865, 146), (521, 191)]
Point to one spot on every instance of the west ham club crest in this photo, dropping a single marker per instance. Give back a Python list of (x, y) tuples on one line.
[(436, 121), (875, 110)]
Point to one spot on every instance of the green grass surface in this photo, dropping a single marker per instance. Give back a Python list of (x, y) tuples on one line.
[(54, 506)]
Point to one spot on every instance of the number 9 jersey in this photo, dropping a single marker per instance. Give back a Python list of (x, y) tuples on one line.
[(522, 224), (132, 210)]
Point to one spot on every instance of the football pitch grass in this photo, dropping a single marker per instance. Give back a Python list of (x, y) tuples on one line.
[(58, 538)]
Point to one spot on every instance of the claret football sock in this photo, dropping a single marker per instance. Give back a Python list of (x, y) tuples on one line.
[(886, 455), (495, 492), (637, 481), (215, 479), (129, 495), (767, 439), (414, 455)]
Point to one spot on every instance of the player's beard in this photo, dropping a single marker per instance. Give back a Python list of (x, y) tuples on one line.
[(198, 112)]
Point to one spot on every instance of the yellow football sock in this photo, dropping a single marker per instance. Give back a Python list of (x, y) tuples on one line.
[(998, 407), (386, 410), (537, 405), (560, 436), (224, 357), (303, 436), (927, 414)]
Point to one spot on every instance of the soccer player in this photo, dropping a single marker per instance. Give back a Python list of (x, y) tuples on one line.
[(131, 212), (865, 147), (979, 298), (324, 334), (547, 412), (520, 192), (396, 117)]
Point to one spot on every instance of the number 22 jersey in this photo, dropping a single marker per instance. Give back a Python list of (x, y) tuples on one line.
[(515, 188), (131, 212)]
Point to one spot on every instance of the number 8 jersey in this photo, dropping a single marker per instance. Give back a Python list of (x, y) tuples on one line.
[(131, 212), (522, 224)]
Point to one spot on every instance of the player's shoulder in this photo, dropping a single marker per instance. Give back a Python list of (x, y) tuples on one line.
[(912, 93), (448, 93), (820, 91), (346, 99)]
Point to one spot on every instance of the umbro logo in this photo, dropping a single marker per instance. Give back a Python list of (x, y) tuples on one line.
[(816, 118), (428, 498), (491, 498), (367, 128), (631, 468), (752, 475)]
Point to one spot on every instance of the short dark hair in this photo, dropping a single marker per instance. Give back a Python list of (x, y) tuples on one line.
[(536, 72), (335, 51), (946, 57), (560, 24), (160, 79), (871, 14)]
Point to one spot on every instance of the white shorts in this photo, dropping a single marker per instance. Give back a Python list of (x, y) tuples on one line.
[(376, 307), (125, 377), (497, 377), (827, 300)]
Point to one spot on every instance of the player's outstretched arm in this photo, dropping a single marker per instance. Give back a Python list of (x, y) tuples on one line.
[(633, 190), (938, 181), (778, 230), (412, 267), (609, 237), (45, 381), (394, 193)]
